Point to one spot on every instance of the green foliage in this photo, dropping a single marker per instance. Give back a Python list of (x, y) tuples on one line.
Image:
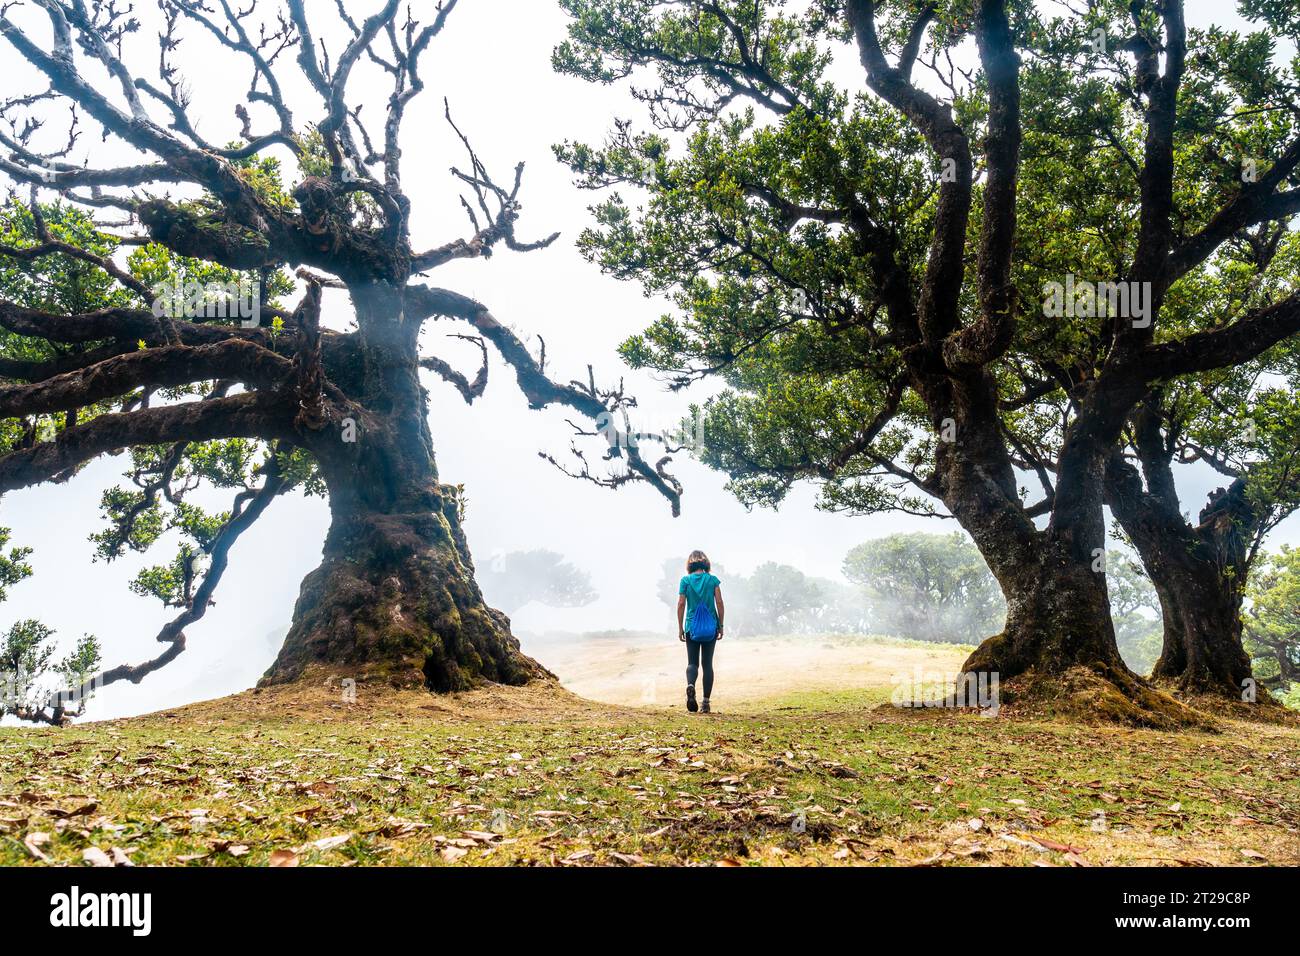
[(170, 583), (757, 222), (263, 173), (27, 651), (24, 657), (299, 469), (81, 663), (164, 272), (13, 566), (27, 660), (138, 517), (197, 524), (56, 282), (142, 513), (608, 40), (159, 581), (136, 523)]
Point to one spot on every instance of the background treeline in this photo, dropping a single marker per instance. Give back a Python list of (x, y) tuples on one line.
[(923, 587), (931, 587)]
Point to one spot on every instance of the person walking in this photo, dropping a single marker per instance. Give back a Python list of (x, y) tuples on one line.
[(700, 611)]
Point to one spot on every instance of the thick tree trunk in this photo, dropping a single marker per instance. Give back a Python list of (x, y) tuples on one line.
[(395, 599), (1203, 650), (1058, 647), (1058, 617), (1058, 612), (395, 596), (1200, 574)]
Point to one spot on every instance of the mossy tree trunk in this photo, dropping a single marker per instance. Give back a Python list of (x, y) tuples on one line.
[(1199, 572), (395, 596), (1058, 610), (1058, 644)]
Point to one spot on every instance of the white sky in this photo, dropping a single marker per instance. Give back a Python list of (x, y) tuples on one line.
[(493, 63)]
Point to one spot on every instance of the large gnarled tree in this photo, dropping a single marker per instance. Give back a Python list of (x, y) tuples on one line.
[(202, 393), (860, 268)]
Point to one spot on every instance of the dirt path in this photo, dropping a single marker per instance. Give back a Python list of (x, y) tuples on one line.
[(643, 671)]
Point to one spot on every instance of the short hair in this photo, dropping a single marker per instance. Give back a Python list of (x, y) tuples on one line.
[(697, 561)]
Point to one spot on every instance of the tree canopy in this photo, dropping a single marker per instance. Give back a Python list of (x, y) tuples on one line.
[(964, 281), (171, 307)]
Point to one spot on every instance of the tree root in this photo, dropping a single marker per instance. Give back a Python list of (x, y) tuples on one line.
[(1100, 694)]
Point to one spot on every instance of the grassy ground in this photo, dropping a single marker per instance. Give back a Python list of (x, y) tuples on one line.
[(296, 776)]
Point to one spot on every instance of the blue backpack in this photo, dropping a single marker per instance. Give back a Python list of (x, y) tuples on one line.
[(703, 625)]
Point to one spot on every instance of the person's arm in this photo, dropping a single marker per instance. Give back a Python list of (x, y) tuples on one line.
[(681, 617), (720, 606)]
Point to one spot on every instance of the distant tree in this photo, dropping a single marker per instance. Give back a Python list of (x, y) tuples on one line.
[(670, 574), (1135, 608), (928, 587), (520, 577), (27, 658), (782, 598), (1273, 622), (841, 609)]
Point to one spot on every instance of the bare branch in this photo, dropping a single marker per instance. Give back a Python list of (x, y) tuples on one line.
[(533, 382), (248, 507), (468, 390)]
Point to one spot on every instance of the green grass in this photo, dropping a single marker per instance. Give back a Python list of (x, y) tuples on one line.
[(811, 778)]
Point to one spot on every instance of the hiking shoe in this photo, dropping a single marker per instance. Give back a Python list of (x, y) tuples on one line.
[(705, 705), (690, 700)]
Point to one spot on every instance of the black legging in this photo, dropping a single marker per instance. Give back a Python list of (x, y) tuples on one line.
[(694, 651)]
